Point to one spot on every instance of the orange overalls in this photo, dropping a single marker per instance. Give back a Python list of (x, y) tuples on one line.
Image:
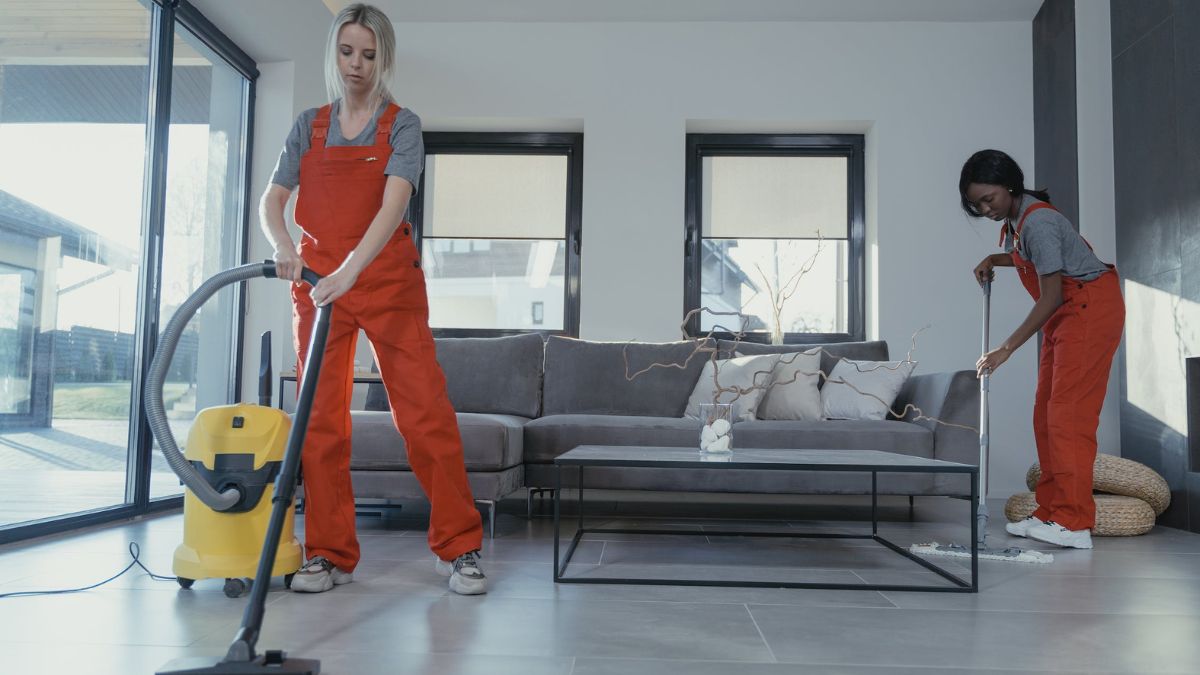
[(1078, 344), (341, 191)]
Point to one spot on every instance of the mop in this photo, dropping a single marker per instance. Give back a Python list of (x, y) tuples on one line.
[(1012, 554)]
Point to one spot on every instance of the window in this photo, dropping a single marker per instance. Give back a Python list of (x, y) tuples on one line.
[(151, 105), (497, 218), (774, 230)]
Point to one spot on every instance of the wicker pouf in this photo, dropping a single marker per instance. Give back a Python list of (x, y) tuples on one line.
[(1116, 515), (1120, 476)]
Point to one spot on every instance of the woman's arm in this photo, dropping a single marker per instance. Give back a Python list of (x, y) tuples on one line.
[(983, 271), (1049, 302), (270, 217), (396, 193)]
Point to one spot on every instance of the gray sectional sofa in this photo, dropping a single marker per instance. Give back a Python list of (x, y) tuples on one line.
[(522, 401)]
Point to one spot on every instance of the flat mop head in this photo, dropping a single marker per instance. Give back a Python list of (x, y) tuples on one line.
[(1003, 554)]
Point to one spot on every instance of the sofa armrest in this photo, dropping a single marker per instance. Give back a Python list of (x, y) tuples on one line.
[(952, 398)]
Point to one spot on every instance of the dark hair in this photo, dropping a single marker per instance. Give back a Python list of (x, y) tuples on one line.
[(993, 167)]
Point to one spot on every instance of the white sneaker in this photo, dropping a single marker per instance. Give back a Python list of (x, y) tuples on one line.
[(319, 575), (1021, 528), (1053, 533), (466, 577)]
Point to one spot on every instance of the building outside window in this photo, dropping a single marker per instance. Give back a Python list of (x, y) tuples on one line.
[(774, 232), (498, 221), (124, 143)]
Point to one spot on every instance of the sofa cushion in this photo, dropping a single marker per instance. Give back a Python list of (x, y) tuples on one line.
[(886, 435), (795, 392), (548, 437), (490, 442), (864, 390), (876, 350), (749, 374), (399, 485), (498, 375), (584, 377)]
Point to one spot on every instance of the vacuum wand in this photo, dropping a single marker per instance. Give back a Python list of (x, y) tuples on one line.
[(243, 645)]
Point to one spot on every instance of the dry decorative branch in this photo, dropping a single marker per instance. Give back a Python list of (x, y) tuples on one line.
[(780, 296), (707, 345)]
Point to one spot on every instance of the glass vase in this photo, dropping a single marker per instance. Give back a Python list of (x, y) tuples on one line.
[(716, 428)]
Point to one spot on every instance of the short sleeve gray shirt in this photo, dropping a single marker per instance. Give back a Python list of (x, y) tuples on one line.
[(408, 149), (1050, 242)]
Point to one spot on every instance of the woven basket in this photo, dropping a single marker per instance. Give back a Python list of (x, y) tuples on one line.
[(1116, 515), (1120, 476)]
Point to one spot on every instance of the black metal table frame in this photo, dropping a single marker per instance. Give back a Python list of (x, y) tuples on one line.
[(960, 585)]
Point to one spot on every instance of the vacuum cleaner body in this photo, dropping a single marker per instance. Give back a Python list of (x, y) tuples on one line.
[(239, 447)]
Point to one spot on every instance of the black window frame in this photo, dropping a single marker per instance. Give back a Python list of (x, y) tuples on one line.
[(517, 143), (850, 146), (165, 17)]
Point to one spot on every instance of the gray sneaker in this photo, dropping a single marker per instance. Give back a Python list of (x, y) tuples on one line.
[(319, 575), (466, 577)]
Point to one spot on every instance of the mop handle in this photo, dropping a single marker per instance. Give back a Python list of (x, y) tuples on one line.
[(984, 382)]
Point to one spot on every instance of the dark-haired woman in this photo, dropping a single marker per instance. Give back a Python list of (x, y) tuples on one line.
[(1080, 311)]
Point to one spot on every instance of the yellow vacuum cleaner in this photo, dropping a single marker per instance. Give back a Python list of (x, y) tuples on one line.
[(237, 447), (240, 469)]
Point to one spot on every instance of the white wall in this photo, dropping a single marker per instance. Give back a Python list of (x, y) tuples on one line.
[(1097, 207), (925, 94)]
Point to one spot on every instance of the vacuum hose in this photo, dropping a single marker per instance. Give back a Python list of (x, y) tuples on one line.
[(155, 412)]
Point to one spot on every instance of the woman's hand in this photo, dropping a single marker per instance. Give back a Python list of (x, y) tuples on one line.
[(992, 360), (287, 264), (983, 271), (333, 286)]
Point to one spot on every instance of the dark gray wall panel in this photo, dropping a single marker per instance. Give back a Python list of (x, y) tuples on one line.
[(1187, 93), (1132, 19), (1156, 148), (1146, 156), (1055, 131)]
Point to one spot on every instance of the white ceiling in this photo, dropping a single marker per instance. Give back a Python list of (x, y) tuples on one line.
[(705, 10), (274, 30)]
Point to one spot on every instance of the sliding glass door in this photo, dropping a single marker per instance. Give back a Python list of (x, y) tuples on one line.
[(102, 235)]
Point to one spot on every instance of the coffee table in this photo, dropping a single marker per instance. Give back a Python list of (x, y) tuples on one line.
[(864, 461)]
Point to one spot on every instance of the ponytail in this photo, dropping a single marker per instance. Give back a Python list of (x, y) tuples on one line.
[(993, 167)]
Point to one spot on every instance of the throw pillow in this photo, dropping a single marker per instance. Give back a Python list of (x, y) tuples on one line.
[(743, 372), (882, 379), (794, 393)]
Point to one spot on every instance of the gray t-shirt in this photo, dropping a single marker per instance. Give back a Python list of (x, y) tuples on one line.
[(1050, 242), (408, 150)]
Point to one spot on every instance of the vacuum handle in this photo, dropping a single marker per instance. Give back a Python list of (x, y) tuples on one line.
[(306, 275)]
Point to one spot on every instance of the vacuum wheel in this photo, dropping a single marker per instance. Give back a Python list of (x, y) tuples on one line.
[(185, 582), (287, 580), (234, 588)]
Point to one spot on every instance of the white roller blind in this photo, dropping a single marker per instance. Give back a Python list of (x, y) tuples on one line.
[(775, 197), (496, 196)]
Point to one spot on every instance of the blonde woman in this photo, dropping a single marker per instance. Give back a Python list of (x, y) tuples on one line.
[(356, 162)]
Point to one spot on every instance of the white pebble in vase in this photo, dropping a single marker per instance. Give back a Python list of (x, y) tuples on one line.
[(720, 427), (719, 445)]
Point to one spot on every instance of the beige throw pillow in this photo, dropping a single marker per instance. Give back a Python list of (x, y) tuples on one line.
[(742, 371), (882, 379), (794, 393)]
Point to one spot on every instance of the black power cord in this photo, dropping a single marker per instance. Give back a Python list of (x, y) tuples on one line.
[(134, 550)]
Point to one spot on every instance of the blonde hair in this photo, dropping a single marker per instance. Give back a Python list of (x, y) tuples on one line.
[(374, 20)]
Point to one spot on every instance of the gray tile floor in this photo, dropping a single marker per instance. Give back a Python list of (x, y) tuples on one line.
[(1130, 605)]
